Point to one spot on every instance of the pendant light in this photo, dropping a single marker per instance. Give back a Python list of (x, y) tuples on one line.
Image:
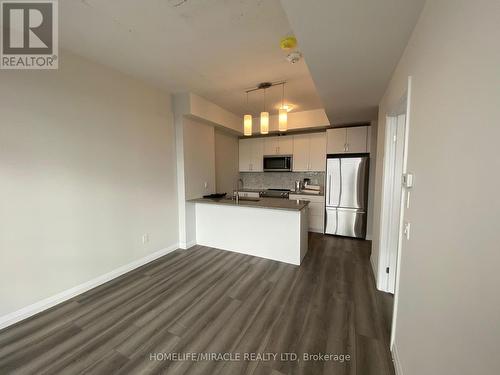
[(283, 113), (247, 123), (264, 118)]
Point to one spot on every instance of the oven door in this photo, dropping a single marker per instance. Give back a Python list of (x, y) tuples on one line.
[(277, 163)]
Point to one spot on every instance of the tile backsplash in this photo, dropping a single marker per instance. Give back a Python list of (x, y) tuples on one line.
[(279, 180)]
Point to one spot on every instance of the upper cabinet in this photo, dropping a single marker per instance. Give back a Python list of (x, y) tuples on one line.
[(251, 153), (282, 145), (309, 152), (348, 140)]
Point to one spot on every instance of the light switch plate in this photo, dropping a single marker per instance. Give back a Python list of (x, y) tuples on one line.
[(408, 180), (406, 230)]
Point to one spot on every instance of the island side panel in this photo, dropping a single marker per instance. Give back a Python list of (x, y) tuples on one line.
[(266, 233), (304, 233)]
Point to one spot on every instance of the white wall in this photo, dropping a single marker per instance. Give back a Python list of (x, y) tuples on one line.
[(87, 166), (199, 158), (448, 314), (226, 161)]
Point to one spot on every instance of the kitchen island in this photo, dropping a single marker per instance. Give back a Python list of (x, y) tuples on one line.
[(270, 228)]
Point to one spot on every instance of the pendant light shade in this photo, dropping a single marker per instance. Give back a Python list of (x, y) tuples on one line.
[(264, 115), (283, 112), (264, 122), (247, 125), (283, 119)]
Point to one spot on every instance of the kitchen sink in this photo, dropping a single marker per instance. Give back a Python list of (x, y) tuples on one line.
[(247, 199)]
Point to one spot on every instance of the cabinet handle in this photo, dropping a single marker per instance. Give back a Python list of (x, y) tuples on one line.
[(347, 145)]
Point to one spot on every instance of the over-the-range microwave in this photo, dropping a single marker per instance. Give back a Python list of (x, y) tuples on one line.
[(277, 163)]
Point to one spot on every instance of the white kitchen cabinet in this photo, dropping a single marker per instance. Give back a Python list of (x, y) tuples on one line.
[(357, 139), (316, 211), (300, 153), (347, 140), (278, 145), (251, 153), (335, 140), (309, 152), (317, 152)]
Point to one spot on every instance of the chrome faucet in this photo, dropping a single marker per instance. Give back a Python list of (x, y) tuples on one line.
[(236, 196), (242, 183)]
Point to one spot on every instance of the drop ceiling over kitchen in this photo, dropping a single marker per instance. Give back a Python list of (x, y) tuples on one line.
[(215, 48), (219, 48)]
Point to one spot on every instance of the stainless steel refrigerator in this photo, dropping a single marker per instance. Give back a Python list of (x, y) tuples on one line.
[(347, 195)]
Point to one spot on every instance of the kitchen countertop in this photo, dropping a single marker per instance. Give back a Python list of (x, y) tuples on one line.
[(270, 203)]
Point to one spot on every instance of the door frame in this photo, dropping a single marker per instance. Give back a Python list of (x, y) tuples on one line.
[(392, 193), (403, 106)]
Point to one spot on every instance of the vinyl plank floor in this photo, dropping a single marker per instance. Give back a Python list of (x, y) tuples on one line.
[(205, 300)]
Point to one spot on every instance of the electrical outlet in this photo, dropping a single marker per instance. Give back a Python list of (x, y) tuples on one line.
[(145, 238)]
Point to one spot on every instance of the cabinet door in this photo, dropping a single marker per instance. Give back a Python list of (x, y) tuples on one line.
[(336, 141), (285, 145), (300, 153), (245, 154), (271, 146), (317, 152), (257, 155), (357, 138)]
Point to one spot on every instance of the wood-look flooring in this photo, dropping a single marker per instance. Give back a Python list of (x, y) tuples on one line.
[(205, 300)]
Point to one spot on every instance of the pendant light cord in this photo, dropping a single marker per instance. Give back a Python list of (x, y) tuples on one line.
[(283, 96)]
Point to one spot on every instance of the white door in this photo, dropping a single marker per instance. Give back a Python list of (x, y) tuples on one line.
[(317, 152), (336, 141), (271, 146), (245, 155), (356, 141), (301, 153), (285, 145)]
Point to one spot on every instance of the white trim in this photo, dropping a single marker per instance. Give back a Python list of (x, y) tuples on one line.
[(187, 245), (400, 245), (395, 359), (67, 294)]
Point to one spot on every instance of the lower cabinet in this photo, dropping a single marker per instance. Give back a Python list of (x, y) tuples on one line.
[(316, 209)]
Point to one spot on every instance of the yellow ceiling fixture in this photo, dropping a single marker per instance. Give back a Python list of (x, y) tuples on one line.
[(288, 43)]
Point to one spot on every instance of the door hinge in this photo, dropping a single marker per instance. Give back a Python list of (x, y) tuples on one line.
[(386, 269)]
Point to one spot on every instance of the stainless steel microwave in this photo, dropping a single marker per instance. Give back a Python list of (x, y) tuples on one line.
[(278, 163)]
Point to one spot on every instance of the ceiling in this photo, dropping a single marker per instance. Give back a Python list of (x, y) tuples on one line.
[(216, 49), (352, 48), (219, 48)]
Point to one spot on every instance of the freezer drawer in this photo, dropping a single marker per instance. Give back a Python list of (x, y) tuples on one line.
[(345, 222)]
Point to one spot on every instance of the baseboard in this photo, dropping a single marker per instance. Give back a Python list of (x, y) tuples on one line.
[(67, 294), (187, 245), (395, 360)]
